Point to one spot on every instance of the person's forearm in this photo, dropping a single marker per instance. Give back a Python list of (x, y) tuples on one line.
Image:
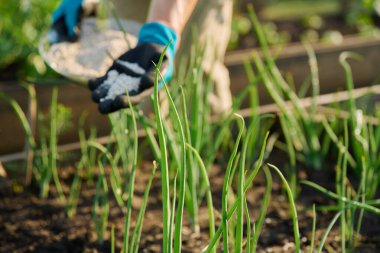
[(173, 13)]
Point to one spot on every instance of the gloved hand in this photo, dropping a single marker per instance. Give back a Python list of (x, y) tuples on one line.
[(66, 19), (134, 70)]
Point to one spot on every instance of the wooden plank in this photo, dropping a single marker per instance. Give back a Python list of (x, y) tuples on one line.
[(321, 101), (292, 60), (76, 98)]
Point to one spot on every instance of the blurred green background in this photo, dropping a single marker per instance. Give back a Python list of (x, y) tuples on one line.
[(21, 24)]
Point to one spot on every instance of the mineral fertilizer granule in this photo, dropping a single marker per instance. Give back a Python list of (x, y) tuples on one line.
[(93, 54)]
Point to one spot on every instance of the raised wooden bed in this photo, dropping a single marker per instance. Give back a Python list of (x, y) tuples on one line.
[(293, 60)]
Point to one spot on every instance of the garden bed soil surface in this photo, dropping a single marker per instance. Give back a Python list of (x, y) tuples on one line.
[(31, 224)]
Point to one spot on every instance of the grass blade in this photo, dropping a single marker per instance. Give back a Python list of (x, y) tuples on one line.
[(182, 170), (312, 239), (210, 205), (263, 210), (226, 183), (293, 208), (322, 242), (333, 195), (164, 166), (140, 218), (113, 238), (53, 145), (131, 179), (241, 195)]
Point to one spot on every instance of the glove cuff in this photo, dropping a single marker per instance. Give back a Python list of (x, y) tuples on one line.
[(156, 32)]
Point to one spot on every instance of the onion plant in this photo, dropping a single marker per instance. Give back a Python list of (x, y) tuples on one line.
[(100, 208), (331, 224), (136, 234), (30, 140), (365, 141), (84, 162), (101, 199), (226, 184), (304, 132), (182, 173), (257, 226), (293, 209), (126, 243), (351, 203), (45, 148), (251, 176), (122, 126), (173, 137), (164, 168), (87, 161), (366, 206)]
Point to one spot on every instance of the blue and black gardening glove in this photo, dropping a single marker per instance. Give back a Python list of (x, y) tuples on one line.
[(66, 21), (133, 72)]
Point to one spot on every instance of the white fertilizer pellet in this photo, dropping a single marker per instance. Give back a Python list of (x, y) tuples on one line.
[(118, 84), (132, 66), (92, 55)]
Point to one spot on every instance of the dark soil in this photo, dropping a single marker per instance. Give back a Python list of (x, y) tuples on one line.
[(31, 224)]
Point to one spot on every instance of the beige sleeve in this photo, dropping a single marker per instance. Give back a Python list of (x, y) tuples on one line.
[(212, 20), (135, 10)]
